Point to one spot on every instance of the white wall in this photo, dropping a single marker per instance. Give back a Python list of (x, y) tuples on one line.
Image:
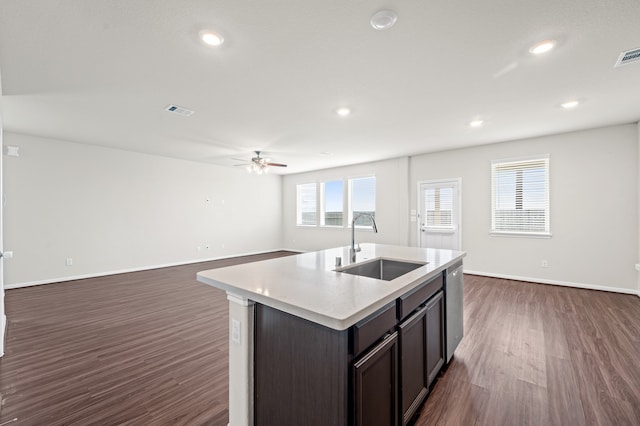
[(391, 207), (111, 210), (594, 243)]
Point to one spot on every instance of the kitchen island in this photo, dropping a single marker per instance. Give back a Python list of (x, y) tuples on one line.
[(310, 344)]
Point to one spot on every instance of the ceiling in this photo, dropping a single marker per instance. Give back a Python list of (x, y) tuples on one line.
[(102, 72)]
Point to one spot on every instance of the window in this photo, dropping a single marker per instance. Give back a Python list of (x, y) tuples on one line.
[(439, 207), (332, 203), (520, 196), (362, 199), (329, 199), (306, 204)]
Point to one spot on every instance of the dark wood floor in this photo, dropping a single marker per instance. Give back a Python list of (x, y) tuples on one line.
[(150, 348), (537, 354)]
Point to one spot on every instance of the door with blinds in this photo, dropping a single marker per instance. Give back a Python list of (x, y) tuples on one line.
[(439, 214)]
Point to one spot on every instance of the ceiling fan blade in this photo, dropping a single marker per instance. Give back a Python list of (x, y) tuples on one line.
[(276, 165), (240, 159), (242, 165)]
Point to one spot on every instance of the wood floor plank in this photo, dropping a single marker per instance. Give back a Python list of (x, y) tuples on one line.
[(151, 348), (563, 396)]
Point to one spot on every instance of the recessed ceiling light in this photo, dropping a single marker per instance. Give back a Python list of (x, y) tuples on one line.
[(343, 112), (542, 47), (476, 123), (570, 104), (211, 38), (383, 19)]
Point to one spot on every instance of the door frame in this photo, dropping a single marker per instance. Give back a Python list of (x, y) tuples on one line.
[(458, 182)]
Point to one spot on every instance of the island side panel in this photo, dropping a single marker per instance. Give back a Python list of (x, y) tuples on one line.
[(301, 371), (241, 322)]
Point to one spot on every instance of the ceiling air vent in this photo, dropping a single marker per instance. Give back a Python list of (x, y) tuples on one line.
[(179, 110), (628, 57)]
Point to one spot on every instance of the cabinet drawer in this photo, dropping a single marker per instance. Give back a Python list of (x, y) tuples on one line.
[(410, 301), (369, 330)]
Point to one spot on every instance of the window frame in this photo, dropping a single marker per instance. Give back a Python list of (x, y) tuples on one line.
[(514, 162)]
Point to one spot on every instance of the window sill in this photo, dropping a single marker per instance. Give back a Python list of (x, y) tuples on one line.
[(520, 234)]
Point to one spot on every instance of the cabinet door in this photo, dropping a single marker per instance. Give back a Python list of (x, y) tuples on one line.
[(435, 336), (413, 363), (375, 385)]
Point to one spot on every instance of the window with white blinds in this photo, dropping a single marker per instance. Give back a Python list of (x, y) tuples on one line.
[(520, 196), (306, 211), (438, 207)]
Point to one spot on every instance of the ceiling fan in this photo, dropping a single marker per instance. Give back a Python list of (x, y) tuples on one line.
[(259, 164)]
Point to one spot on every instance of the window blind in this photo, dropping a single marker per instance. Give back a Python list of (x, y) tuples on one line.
[(306, 211), (520, 196), (438, 207)]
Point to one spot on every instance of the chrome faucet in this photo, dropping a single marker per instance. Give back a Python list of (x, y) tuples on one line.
[(354, 250)]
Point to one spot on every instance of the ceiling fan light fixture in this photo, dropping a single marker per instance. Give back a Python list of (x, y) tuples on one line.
[(383, 19), (258, 168), (260, 165)]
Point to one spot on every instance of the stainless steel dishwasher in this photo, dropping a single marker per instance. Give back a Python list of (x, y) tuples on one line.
[(453, 302)]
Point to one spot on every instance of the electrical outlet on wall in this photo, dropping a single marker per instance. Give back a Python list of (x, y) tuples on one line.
[(235, 330), (69, 261), (544, 263)]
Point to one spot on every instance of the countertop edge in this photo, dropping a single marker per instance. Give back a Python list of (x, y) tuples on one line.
[(332, 322)]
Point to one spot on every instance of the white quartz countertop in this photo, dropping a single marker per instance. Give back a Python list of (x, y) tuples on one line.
[(307, 285)]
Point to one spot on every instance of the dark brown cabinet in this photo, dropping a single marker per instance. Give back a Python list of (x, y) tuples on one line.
[(377, 372), (375, 385), (413, 363), (435, 336)]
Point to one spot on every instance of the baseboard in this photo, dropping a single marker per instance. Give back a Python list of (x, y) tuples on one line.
[(555, 282), (138, 269)]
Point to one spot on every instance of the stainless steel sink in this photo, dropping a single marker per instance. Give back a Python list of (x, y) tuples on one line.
[(381, 269)]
